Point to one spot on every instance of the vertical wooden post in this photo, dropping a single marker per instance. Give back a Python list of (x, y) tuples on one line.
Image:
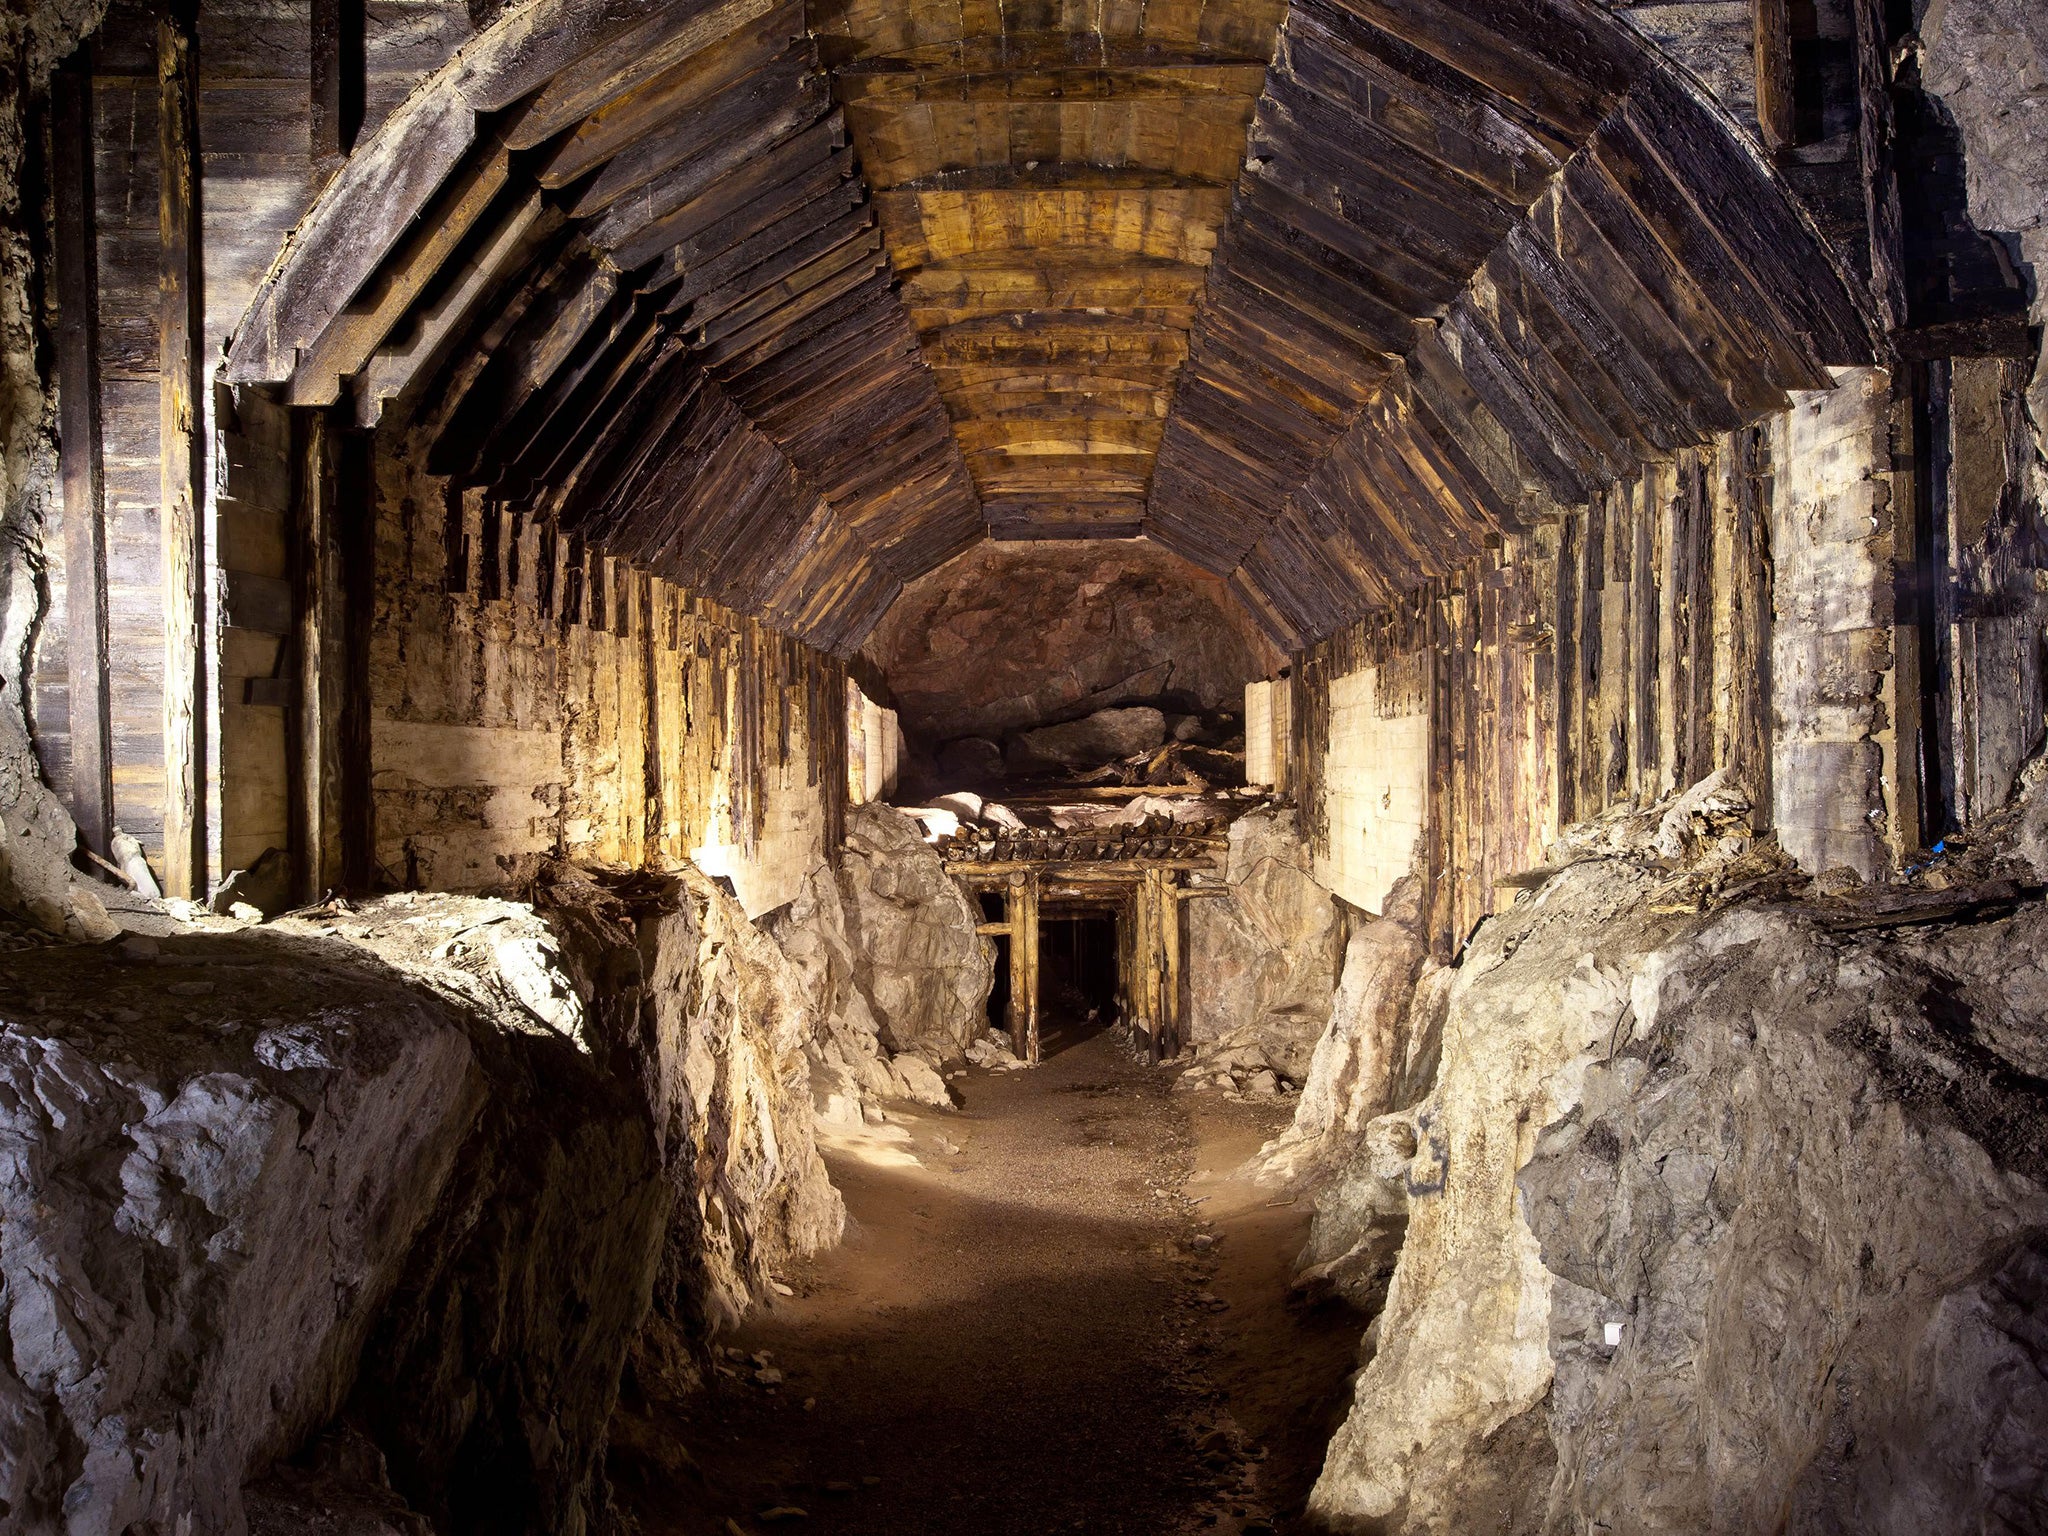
[(1907, 704), (353, 538), (78, 423), (1021, 912), (1170, 989), (1773, 45), (179, 332), (320, 657)]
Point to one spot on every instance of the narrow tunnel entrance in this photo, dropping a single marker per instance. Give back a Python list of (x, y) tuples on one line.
[(1079, 980), (993, 911)]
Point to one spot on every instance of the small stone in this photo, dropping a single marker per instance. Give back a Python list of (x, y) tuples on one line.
[(140, 946), (189, 988), (810, 1403), (781, 1512), (768, 1376), (839, 1485)]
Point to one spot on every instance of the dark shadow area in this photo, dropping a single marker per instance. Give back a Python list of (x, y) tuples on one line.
[(992, 911), (1077, 979)]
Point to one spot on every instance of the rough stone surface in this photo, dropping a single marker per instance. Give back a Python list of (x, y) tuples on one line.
[(1268, 955), (897, 978), (216, 1160), (1107, 736), (1361, 1067), (413, 1170), (1012, 635), (704, 1013), (1710, 1223), (1988, 62), (1809, 1187), (37, 834)]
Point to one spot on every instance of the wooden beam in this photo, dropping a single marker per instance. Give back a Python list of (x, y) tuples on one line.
[(337, 82), (78, 425), (180, 333), (319, 635)]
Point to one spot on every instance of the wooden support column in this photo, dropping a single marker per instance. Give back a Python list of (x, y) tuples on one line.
[(1021, 898), (1169, 963), (180, 330), (320, 657), (78, 424)]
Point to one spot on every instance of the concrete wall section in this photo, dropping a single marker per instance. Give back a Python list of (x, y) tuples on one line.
[(1376, 794), (1831, 654)]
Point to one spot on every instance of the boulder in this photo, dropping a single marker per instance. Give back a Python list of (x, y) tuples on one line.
[(888, 957), (218, 1159), (1269, 953), (1107, 736), (1713, 1220), (1361, 1065)]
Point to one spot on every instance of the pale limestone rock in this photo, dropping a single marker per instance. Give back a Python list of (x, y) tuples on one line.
[(199, 1223), (1464, 1343), (1359, 1069), (1269, 954), (704, 1011), (1809, 1187), (896, 978), (1712, 1224)]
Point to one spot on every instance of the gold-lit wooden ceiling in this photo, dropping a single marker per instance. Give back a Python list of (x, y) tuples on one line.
[(1050, 181), (792, 306)]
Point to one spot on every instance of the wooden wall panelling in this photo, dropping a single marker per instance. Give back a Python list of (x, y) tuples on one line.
[(181, 331), (87, 728)]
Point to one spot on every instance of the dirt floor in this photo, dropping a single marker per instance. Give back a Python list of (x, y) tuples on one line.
[(1056, 1310)]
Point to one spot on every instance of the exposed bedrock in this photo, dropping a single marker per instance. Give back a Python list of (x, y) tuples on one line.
[(386, 1192), (1015, 635), (1710, 1223), (1266, 957), (897, 978)]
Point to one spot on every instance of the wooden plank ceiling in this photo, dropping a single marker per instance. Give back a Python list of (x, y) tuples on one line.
[(1483, 256), (792, 308), (1051, 178)]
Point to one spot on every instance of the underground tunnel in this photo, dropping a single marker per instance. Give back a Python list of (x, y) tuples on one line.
[(1246, 766)]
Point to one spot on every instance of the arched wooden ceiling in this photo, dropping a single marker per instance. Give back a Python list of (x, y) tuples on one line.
[(791, 309), (1051, 179)]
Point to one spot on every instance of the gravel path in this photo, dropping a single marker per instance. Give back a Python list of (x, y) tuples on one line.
[(1017, 1338)]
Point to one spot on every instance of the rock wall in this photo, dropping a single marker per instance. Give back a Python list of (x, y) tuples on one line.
[(897, 977), (388, 1191), (1264, 960), (36, 832), (1013, 635), (1725, 1211)]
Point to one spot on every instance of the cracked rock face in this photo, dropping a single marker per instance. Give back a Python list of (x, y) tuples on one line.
[(1713, 1223), (1014, 635), (1269, 955), (215, 1163), (368, 1207), (897, 977)]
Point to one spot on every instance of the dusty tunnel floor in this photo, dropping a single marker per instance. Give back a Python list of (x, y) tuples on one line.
[(1067, 1313)]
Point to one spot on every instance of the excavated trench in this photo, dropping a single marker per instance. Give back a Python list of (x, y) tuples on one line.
[(1059, 1308)]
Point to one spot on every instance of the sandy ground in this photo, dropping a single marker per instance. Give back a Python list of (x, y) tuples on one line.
[(1057, 1309)]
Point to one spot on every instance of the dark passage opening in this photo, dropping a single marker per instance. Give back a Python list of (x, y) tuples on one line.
[(1077, 978), (992, 911)]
